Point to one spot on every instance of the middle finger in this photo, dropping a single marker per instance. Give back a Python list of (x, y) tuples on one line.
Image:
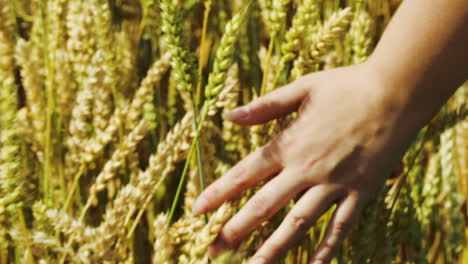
[(316, 201), (264, 204)]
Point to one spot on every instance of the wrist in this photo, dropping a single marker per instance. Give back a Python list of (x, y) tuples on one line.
[(402, 98), (418, 88)]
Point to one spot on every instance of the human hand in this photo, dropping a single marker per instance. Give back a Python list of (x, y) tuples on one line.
[(348, 132)]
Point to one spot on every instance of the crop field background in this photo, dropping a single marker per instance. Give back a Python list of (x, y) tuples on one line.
[(111, 125)]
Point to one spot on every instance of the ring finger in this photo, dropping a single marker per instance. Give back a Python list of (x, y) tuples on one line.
[(266, 202)]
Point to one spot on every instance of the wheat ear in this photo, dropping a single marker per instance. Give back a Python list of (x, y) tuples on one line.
[(323, 41)]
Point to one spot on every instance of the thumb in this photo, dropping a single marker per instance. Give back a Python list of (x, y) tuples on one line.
[(273, 105)]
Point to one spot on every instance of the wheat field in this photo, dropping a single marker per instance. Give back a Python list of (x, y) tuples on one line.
[(111, 125)]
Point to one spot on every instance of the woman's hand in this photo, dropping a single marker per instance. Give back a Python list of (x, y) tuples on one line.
[(347, 134), (353, 125)]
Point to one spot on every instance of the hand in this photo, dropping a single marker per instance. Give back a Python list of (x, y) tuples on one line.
[(348, 133)]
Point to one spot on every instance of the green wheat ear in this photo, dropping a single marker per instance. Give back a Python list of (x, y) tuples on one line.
[(9, 146), (224, 58), (173, 32)]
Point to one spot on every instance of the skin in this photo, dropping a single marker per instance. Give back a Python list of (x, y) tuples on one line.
[(353, 125)]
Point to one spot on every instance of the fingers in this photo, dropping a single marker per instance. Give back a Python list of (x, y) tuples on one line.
[(256, 167), (336, 231), (264, 204), (304, 214), (273, 105)]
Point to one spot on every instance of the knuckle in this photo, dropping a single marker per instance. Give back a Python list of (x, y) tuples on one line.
[(259, 207), (328, 245), (240, 182), (340, 228), (314, 161), (310, 163), (270, 153), (212, 193), (239, 177), (266, 102), (239, 169), (314, 165), (298, 222), (285, 139), (260, 104)]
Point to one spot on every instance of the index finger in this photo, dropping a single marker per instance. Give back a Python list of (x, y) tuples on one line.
[(257, 166)]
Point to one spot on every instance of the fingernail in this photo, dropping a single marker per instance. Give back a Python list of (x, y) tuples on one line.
[(258, 261), (199, 205), (238, 113)]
